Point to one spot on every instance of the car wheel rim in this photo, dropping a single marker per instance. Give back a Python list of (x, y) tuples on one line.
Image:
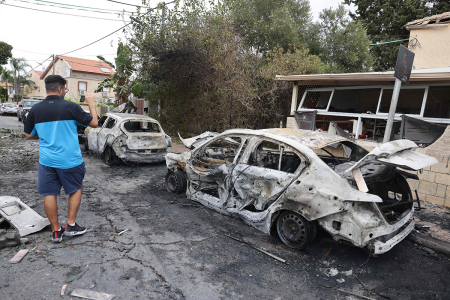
[(293, 229), (172, 182)]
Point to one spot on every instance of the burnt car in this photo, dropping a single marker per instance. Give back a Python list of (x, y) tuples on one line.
[(128, 138), (290, 182)]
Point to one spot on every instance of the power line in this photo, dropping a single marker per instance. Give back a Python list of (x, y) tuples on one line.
[(83, 6), (41, 63), (29, 52), (127, 4), (54, 12), (151, 9), (98, 39), (57, 6)]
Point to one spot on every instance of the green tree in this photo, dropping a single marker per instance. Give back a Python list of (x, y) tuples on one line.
[(24, 81), (19, 67), (5, 53), (200, 74), (342, 43), (7, 77), (121, 81), (436, 7), (271, 24), (385, 21)]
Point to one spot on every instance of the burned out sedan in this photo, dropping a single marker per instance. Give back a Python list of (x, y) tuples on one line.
[(290, 182), (128, 138)]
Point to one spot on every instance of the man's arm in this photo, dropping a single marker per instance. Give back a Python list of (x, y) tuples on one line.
[(89, 100), (32, 136)]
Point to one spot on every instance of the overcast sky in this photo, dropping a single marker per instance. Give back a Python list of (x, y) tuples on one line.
[(31, 30)]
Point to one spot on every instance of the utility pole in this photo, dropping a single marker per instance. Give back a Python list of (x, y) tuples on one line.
[(53, 64), (402, 73)]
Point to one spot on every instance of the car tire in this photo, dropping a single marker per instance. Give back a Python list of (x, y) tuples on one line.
[(294, 230), (176, 182), (110, 156)]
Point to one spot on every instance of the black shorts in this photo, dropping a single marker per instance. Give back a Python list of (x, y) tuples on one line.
[(51, 179)]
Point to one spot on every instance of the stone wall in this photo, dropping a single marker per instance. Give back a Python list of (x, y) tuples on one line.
[(434, 184)]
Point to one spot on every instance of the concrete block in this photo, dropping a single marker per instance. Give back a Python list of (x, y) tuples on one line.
[(441, 168), (447, 203), (428, 188), (441, 190), (447, 194), (427, 176), (414, 185), (435, 200), (422, 197), (442, 178), (291, 123)]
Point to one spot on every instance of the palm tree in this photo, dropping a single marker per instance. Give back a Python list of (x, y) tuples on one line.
[(19, 66), (24, 81), (6, 76)]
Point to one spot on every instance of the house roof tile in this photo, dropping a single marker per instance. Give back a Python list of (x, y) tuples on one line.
[(436, 19), (81, 65), (3, 84)]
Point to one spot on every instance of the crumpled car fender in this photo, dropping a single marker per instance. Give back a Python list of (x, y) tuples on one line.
[(315, 196)]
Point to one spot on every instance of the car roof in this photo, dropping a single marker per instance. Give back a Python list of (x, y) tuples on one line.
[(309, 138), (123, 117)]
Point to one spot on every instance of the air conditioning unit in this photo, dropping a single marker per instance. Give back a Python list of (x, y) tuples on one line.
[(105, 94), (82, 93)]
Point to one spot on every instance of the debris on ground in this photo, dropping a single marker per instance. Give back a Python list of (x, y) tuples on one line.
[(257, 248), (18, 220), (353, 294), (348, 273), (331, 272), (340, 280), (91, 295), (18, 257), (63, 289)]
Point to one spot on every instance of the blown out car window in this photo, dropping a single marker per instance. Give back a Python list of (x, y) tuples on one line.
[(138, 126), (275, 156), (218, 152)]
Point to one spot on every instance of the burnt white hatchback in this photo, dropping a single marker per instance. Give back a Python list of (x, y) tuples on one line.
[(290, 182), (128, 138)]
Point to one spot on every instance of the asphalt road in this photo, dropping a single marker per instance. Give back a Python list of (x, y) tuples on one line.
[(10, 122), (175, 248)]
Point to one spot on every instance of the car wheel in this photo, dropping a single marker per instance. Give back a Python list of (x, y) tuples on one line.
[(294, 230), (110, 156), (176, 182)]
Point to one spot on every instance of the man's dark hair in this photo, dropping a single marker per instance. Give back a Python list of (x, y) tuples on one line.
[(52, 83)]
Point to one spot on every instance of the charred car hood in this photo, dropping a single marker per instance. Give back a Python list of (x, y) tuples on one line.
[(398, 153)]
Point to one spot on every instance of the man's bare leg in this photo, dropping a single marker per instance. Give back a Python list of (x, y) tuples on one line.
[(51, 210), (74, 203)]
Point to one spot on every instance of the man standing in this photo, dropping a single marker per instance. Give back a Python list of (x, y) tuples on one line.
[(54, 122)]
